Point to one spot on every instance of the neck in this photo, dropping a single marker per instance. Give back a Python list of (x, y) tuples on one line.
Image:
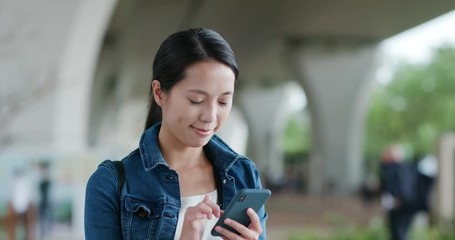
[(179, 156)]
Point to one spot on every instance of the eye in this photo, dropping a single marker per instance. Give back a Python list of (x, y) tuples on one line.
[(223, 101), (195, 102)]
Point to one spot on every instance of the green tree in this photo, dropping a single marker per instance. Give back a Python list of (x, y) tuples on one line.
[(295, 140), (415, 107)]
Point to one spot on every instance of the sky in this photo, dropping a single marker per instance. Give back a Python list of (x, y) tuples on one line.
[(416, 44)]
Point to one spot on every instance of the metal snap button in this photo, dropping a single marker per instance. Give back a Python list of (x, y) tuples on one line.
[(142, 213)]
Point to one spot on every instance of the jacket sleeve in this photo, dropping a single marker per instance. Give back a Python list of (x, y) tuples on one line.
[(254, 175), (102, 210), (262, 214)]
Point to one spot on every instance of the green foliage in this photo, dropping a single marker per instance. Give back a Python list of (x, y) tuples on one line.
[(296, 135), (296, 142), (433, 233), (370, 233), (415, 108), (375, 231), (344, 230)]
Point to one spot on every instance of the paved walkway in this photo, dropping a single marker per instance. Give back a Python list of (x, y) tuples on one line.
[(290, 213)]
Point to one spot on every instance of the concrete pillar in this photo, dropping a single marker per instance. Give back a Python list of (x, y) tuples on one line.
[(267, 111), (336, 77), (76, 74), (74, 84), (445, 181)]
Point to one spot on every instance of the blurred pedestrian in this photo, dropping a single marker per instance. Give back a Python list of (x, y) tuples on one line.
[(399, 191), (44, 210), (21, 208), (406, 189)]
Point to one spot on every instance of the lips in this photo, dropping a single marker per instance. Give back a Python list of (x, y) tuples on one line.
[(202, 132)]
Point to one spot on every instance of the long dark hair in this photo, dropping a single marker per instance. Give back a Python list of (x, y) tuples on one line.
[(180, 50)]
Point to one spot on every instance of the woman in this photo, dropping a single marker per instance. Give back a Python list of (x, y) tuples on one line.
[(182, 175)]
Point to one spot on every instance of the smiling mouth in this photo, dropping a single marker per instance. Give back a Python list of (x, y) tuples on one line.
[(202, 132)]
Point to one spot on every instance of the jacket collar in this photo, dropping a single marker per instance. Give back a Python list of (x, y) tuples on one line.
[(217, 151)]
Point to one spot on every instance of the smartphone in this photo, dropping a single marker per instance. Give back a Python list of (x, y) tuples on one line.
[(236, 210)]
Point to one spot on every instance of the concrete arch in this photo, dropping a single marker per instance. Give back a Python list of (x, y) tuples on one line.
[(72, 98), (133, 47), (137, 28), (267, 111), (76, 73), (122, 84), (338, 78)]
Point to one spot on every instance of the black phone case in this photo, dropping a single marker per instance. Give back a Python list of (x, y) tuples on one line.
[(236, 210)]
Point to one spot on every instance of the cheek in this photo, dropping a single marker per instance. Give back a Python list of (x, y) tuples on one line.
[(223, 114), (175, 112), (184, 113)]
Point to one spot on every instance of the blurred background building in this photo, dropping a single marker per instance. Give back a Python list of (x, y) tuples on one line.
[(75, 78)]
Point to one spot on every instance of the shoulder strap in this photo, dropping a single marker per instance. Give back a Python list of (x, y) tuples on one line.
[(121, 181), (121, 175)]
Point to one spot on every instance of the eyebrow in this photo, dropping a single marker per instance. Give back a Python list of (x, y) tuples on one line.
[(206, 93)]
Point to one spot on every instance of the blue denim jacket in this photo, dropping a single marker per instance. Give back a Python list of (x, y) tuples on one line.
[(149, 203)]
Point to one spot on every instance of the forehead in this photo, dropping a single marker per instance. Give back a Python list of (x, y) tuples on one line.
[(210, 75)]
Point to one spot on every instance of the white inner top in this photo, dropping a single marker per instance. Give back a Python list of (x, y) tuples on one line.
[(192, 201)]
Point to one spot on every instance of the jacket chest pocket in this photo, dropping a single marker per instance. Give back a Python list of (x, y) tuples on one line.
[(140, 219)]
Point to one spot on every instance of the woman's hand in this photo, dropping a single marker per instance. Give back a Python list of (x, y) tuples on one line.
[(193, 222), (252, 232)]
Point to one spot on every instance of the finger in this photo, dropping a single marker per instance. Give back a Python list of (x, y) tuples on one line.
[(205, 209), (207, 198), (198, 212), (195, 213), (227, 235), (215, 208), (241, 229), (252, 231), (255, 224), (221, 213)]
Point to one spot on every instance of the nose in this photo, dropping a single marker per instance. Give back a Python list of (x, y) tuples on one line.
[(209, 113)]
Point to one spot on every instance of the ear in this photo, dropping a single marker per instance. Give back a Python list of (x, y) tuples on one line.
[(158, 94)]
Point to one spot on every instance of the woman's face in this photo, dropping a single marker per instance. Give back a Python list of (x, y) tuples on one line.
[(195, 108)]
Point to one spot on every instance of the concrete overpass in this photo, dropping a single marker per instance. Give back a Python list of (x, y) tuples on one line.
[(75, 74), (96, 57)]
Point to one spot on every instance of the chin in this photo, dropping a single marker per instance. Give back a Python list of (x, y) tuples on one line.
[(199, 142)]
